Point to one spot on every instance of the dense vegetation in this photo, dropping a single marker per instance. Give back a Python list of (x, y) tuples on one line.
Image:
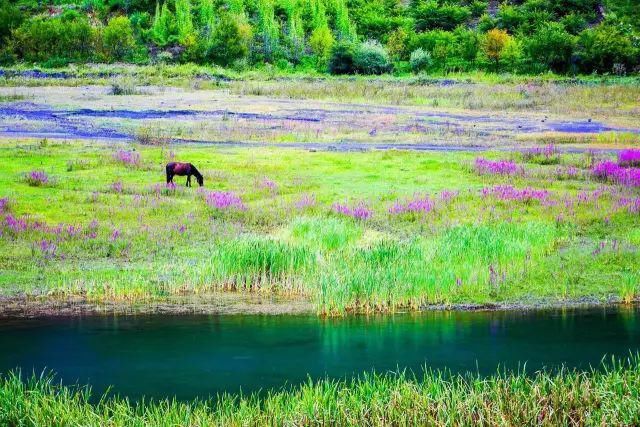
[(340, 36), (599, 397)]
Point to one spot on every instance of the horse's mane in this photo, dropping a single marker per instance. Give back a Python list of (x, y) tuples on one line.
[(195, 171)]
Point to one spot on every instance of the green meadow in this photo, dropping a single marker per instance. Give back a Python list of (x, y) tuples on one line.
[(349, 231)]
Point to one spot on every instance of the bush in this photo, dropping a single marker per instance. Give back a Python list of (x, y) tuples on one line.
[(321, 42), (64, 38), (605, 45), (371, 58), (430, 15), (230, 41), (493, 45), (551, 47), (341, 60), (117, 39), (10, 18), (441, 45), (420, 60)]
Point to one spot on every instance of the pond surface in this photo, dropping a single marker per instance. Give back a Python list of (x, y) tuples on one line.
[(198, 356)]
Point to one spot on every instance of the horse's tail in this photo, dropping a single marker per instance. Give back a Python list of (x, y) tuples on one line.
[(169, 171)]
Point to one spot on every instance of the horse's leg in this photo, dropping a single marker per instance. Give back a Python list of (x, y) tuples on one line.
[(188, 180), (169, 178)]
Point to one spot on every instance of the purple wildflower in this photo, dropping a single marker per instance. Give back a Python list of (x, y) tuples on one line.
[(546, 154), (37, 178), (14, 224), (629, 157), (47, 249), (224, 200), (115, 234), (127, 157), (306, 201), (508, 192), (116, 187), (360, 211), (489, 167), (4, 204), (610, 171), (268, 184), (418, 205)]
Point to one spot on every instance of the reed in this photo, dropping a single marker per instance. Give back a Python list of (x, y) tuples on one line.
[(605, 395)]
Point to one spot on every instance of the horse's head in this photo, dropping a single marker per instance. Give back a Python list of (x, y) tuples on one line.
[(200, 180)]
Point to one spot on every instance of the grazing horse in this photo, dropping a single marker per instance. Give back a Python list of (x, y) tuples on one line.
[(182, 169)]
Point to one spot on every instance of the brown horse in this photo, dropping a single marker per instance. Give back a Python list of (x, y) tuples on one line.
[(182, 169)]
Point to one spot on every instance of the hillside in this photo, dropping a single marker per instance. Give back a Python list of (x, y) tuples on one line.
[(339, 36)]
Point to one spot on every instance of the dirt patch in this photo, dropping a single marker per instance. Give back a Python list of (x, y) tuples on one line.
[(219, 303)]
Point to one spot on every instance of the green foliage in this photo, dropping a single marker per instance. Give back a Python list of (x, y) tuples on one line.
[(267, 32), (321, 43), (230, 40), (62, 38), (551, 47), (420, 60), (10, 18), (163, 29), (371, 58), (543, 35), (341, 60), (602, 47), (184, 23), (118, 40), (345, 30), (430, 15)]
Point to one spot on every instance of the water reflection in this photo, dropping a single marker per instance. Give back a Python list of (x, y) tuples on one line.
[(190, 356)]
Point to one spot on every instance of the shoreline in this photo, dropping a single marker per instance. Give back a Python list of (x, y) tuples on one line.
[(228, 303)]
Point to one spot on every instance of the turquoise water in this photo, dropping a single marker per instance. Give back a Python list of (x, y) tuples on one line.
[(199, 356)]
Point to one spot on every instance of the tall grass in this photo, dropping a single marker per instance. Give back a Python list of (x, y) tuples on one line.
[(609, 395)]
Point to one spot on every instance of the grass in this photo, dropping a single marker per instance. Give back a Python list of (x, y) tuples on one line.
[(604, 396), (104, 229)]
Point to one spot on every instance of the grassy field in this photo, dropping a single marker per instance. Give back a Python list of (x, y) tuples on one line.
[(608, 396), (378, 230)]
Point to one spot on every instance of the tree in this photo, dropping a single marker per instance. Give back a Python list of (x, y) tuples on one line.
[(10, 18), (551, 47), (605, 45), (184, 23), (321, 43), (493, 45), (371, 57), (117, 39), (230, 41)]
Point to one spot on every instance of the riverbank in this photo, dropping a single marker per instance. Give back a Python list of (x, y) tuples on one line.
[(228, 303), (598, 397)]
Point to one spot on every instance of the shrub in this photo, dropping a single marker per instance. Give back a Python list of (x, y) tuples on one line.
[(494, 43), (10, 18), (420, 60), (371, 58), (397, 44), (441, 45), (341, 60), (231, 40), (41, 39), (430, 15), (117, 39), (551, 47), (605, 45), (321, 43)]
